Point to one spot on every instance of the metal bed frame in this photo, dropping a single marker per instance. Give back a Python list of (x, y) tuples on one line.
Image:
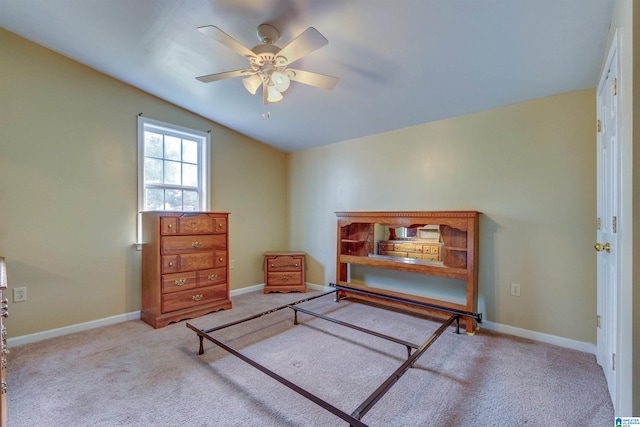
[(354, 418)]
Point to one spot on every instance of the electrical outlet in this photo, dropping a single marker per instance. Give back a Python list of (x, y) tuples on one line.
[(515, 289), (232, 264), (20, 294)]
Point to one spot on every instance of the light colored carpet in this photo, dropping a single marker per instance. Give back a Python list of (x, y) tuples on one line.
[(130, 374)]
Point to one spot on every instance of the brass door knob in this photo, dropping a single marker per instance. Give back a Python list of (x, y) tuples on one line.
[(600, 247)]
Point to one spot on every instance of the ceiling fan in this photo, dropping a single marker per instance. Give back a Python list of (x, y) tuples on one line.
[(269, 64)]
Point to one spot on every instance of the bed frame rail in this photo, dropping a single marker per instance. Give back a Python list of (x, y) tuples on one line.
[(354, 419)]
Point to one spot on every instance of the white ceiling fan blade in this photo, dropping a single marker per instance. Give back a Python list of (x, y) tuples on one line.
[(226, 75), (302, 45), (224, 38), (312, 79)]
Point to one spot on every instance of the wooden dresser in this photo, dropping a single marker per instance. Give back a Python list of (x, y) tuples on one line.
[(284, 272), (184, 265)]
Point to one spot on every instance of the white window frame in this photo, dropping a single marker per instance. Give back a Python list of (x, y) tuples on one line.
[(204, 164)]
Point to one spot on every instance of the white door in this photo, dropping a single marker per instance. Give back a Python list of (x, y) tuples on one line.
[(608, 173)]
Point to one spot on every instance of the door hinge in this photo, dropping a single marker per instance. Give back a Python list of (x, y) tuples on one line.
[(613, 361), (615, 87), (614, 225), (598, 126), (597, 321), (598, 225)]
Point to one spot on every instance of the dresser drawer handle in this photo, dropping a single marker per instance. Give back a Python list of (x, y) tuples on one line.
[(212, 276), (169, 226), (197, 297), (221, 259), (221, 225), (196, 244), (285, 279), (285, 266), (170, 263), (180, 282)]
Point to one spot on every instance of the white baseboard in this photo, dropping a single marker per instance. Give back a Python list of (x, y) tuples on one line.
[(58, 332), (585, 347), (135, 315), (319, 287), (246, 290)]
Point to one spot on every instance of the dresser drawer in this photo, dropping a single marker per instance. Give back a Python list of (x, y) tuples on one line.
[(386, 246), (430, 249), (192, 224), (168, 225), (212, 277), (190, 262), (284, 279), (182, 244), (220, 259), (178, 282), (284, 263), (404, 247), (170, 264), (193, 298)]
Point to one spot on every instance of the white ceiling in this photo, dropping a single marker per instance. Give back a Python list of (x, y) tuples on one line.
[(400, 63)]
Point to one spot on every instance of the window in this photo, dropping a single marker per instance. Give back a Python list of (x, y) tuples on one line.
[(173, 168)]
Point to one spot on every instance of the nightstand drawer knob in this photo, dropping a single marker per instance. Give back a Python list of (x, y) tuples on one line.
[(212, 276), (285, 279), (221, 259), (180, 282), (197, 297), (196, 244), (170, 264), (221, 225)]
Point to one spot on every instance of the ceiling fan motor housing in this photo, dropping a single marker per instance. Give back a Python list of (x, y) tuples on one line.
[(268, 34)]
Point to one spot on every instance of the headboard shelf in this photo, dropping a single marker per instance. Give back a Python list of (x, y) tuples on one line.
[(438, 243)]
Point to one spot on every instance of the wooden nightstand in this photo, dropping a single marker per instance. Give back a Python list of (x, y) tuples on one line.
[(284, 272)]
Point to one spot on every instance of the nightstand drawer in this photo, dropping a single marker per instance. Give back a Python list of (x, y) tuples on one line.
[(284, 279), (284, 263)]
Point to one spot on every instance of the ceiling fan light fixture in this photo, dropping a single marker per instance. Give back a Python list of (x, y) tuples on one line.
[(273, 95), (280, 80), (252, 83)]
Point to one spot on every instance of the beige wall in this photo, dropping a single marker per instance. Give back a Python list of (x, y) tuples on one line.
[(529, 167), (68, 189)]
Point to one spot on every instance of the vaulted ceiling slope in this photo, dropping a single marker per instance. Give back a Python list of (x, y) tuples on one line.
[(400, 63)]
